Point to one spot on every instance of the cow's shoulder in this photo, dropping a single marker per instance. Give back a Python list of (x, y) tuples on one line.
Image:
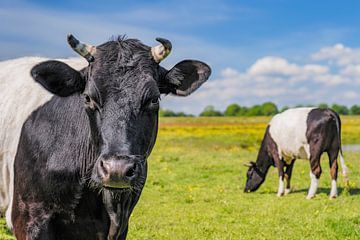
[(52, 143)]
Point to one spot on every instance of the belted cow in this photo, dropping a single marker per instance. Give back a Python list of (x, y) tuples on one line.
[(298, 133), (81, 162), (19, 97)]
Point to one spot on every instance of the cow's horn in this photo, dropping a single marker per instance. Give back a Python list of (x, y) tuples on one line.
[(161, 51), (85, 50)]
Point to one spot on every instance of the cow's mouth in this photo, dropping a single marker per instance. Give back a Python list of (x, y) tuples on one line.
[(119, 186)]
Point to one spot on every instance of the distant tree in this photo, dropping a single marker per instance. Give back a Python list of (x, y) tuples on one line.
[(340, 109), (166, 113), (182, 114), (268, 109), (254, 111), (232, 110), (210, 111), (323, 105), (299, 105), (242, 111), (355, 110), (284, 108)]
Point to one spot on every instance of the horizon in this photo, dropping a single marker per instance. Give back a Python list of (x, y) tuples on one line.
[(340, 109), (289, 53)]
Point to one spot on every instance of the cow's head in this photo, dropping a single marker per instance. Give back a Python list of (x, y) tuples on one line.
[(121, 90), (254, 178)]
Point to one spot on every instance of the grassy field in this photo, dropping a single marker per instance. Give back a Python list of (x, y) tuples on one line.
[(195, 187)]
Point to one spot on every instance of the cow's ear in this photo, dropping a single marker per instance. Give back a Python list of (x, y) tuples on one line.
[(58, 78), (185, 77)]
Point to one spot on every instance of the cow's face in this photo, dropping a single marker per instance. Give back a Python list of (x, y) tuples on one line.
[(254, 178), (121, 90)]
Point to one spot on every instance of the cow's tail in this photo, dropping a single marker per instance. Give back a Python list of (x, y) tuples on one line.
[(342, 161)]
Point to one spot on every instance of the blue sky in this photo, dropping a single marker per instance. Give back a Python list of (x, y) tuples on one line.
[(288, 52)]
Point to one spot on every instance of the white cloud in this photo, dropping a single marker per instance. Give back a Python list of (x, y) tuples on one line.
[(331, 79), (351, 70), (229, 72), (315, 69), (339, 54), (350, 95), (273, 65)]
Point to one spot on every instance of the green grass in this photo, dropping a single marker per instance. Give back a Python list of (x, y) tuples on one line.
[(195, 187)]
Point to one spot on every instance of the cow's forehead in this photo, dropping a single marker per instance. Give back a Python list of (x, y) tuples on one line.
[(123, 71), (122, 51), (123, 57)]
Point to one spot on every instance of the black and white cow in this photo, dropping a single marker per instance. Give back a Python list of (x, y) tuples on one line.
[(19, 97), (298, 133), (81, 163)]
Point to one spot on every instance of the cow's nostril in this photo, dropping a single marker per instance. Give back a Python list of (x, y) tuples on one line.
[(104, 168), (131, 171)]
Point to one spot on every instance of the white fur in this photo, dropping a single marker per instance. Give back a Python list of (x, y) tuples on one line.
[(281, 189), (20, 95), (288, 130), (344, 168), (333, 192), (313, 186)]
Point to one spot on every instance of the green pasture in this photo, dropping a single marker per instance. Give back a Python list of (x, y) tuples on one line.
[(195, 187)]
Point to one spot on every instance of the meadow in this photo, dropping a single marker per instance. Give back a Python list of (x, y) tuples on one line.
[(194, 189)]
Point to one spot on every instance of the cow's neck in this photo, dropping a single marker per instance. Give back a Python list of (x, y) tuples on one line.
[(264, 160), (263, 165)]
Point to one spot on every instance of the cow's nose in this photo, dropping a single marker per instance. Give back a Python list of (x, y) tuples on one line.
[(116, 173)]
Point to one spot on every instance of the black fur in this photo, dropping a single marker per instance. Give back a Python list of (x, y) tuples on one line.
[(110, 114), (323, 135), (257, 171), (58, 78)]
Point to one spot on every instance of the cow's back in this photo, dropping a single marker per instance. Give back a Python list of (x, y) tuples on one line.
[(288, 130)]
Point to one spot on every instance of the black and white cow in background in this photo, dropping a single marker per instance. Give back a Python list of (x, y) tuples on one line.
[(298, 133), (81, 161), (19, 97)]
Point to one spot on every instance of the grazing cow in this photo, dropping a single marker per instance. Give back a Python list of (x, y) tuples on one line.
[(20, 96), (298, 133), (81, 162)]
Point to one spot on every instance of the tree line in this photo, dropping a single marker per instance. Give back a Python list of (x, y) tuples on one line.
[(265, 109)]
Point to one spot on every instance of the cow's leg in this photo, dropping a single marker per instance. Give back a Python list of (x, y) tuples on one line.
[(36, 228), (4, 191), (333, 154), (315, 172), (288, 173), (3, 187), (280, 167), (10, 182), (31, 220)]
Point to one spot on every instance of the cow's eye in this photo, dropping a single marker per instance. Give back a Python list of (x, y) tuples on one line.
[(89, 102), (153, 104), (87, 99), (155, 101)]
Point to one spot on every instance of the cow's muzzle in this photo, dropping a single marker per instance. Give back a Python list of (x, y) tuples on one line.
[(118, 172)]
